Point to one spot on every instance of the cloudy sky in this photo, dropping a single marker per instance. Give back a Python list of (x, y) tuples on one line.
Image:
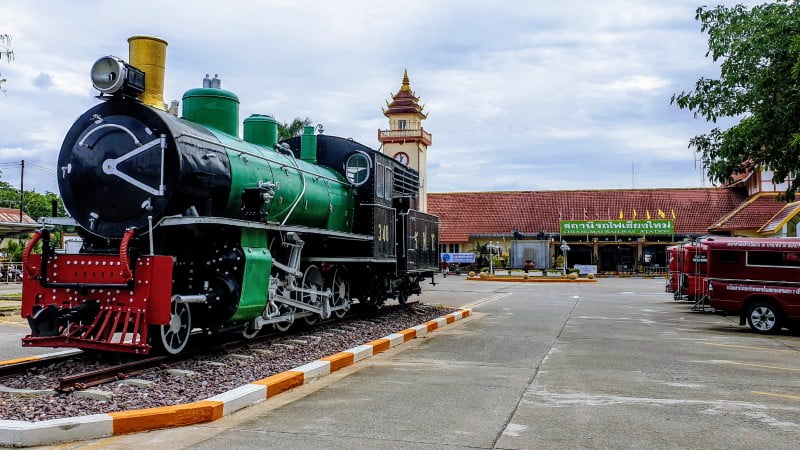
[(522, 95)]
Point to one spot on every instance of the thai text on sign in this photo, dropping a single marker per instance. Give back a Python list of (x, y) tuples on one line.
[(637, 227)]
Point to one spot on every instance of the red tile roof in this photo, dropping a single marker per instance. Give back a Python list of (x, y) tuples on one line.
[(12, 215), (779, 220), (462, 214), (751, 215)]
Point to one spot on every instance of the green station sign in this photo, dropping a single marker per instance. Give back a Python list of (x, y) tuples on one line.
[(616, 227)]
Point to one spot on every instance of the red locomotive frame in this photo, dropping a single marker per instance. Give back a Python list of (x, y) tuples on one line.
[(126, 301)]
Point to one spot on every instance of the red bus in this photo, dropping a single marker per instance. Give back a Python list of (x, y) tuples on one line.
[(757, 278)]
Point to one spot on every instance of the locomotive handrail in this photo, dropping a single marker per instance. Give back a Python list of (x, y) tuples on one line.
[(244, 152), (26, 254), (299, 197), (272, 226), (123, 254), (109, 125)]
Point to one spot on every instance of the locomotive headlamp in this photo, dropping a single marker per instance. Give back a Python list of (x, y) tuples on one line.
[(111, 74)]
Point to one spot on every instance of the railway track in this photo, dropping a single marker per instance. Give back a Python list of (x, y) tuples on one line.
[(97, 377), (124, 370)]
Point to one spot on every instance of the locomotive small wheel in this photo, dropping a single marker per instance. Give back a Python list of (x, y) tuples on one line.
[(402, 296), (249, 331), (341, 292), (376, 301), (312, 279), (285, 325), (764, 318), (174, 336)]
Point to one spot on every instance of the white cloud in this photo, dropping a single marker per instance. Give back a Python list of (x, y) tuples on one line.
[(538, 95)]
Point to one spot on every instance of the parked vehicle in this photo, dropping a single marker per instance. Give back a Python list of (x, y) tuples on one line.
[(757, 278), (687, 271), (674, 255), (693, 285)]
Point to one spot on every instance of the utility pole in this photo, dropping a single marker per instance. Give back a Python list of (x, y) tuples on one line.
[(21, 188)]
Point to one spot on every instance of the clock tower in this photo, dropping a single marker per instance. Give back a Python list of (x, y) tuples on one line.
[(405, 140)]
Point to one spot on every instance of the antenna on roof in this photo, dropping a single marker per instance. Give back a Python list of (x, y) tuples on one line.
[(702, 170)]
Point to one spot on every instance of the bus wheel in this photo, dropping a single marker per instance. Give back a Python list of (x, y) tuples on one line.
[(764, 318)]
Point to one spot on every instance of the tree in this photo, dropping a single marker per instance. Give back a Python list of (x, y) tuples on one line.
[(290, 130), (759, 83), (5, 53), (36, 204)]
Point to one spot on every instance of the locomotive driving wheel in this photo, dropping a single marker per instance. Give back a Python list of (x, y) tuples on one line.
[(173, 337), (341, 292), (312, 279)]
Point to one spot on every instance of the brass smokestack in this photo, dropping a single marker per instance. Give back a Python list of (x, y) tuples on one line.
[(149, 54)]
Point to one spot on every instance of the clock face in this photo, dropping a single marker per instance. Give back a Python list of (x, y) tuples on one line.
[(401, 157)]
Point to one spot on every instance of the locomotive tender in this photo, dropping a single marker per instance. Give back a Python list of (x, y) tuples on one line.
[(188, 227)]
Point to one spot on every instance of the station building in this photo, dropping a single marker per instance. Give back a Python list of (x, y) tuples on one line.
[(615, 230)]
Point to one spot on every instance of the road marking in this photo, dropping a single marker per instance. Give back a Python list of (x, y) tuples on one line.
[(481, 301), (772, 394), (748, 348), (762, 366)]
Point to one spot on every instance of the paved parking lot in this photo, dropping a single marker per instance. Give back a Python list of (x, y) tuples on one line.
[(615, 363)]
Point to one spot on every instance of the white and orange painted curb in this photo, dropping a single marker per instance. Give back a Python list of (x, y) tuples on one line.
[(18, 433)]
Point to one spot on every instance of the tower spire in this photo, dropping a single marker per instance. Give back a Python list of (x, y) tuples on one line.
[(406, 84)]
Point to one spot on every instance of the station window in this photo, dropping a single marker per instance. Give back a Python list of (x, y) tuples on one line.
[(402, 125), (455, 248)]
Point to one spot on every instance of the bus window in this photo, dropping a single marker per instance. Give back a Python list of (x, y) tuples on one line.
[(773, 259)]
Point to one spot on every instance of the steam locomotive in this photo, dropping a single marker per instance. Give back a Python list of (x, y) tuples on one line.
[(188, 228)]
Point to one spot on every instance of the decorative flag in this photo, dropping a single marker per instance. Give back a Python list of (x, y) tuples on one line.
[(661, 214), (673, 214), (559, 215), (634, 214), (648, 214), (585, 216), (621, 216)]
